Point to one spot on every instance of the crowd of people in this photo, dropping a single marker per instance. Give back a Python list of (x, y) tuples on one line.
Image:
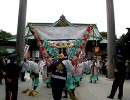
[(60, 75)]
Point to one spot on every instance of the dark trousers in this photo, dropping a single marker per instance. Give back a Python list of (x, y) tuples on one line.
[(117, 83), (57, 93), (106, 72), (11, 89), (127, 75), (0, 77), (22, 76)]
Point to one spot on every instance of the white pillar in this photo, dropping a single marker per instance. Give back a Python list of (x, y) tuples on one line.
[(20, 42), (111, 46)]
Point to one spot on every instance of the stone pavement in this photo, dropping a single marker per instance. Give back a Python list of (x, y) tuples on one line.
[(86, 91)]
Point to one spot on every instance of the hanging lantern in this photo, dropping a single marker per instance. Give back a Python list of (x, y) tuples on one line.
[(26, 55), (96, 49)]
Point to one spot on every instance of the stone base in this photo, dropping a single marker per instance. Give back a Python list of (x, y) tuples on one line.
[(109, 79)]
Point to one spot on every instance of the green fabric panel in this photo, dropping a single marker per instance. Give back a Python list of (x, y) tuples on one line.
[(47, 80), (69, 82), (35, 82), (77, 78)]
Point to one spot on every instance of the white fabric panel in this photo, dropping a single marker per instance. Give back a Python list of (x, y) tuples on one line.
[(60, 32)]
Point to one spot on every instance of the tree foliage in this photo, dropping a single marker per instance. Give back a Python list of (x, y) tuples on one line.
[(124, 46), (4, 34), (121, 40), (3, 51), (103, 34)]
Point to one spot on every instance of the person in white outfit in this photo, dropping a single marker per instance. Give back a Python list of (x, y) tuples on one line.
[(24, 69), (34, 73), (93, 75), (70, 81), (98, 68), (41, 65)]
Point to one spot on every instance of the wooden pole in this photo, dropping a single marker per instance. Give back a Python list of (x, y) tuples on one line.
[(20, 42), (111, 46)]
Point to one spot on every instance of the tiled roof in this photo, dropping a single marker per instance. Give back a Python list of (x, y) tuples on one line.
[(62, 22)]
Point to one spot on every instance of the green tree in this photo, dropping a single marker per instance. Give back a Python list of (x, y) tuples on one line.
[(3, 39), (3, 51), (4, 34), (121, 40), (103, 34)]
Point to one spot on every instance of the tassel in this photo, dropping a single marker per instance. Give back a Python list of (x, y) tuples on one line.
[(71, 95), (34, 93), (29, 93), (25, 91)]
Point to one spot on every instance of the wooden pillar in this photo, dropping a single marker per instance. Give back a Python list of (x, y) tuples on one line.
[(111, 46), (20, 42)]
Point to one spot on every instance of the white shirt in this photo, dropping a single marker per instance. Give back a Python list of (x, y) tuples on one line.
[(68, 65), (33, 67), (24, 66), (41, 64)]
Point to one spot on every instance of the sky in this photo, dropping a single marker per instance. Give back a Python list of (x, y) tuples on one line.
[(75, 11)]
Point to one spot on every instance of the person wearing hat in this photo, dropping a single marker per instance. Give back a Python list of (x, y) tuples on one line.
[(58, 77), (11, 78), (120, 74)]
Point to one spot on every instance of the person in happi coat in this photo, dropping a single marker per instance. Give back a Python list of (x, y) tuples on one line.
[(58, 77)]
